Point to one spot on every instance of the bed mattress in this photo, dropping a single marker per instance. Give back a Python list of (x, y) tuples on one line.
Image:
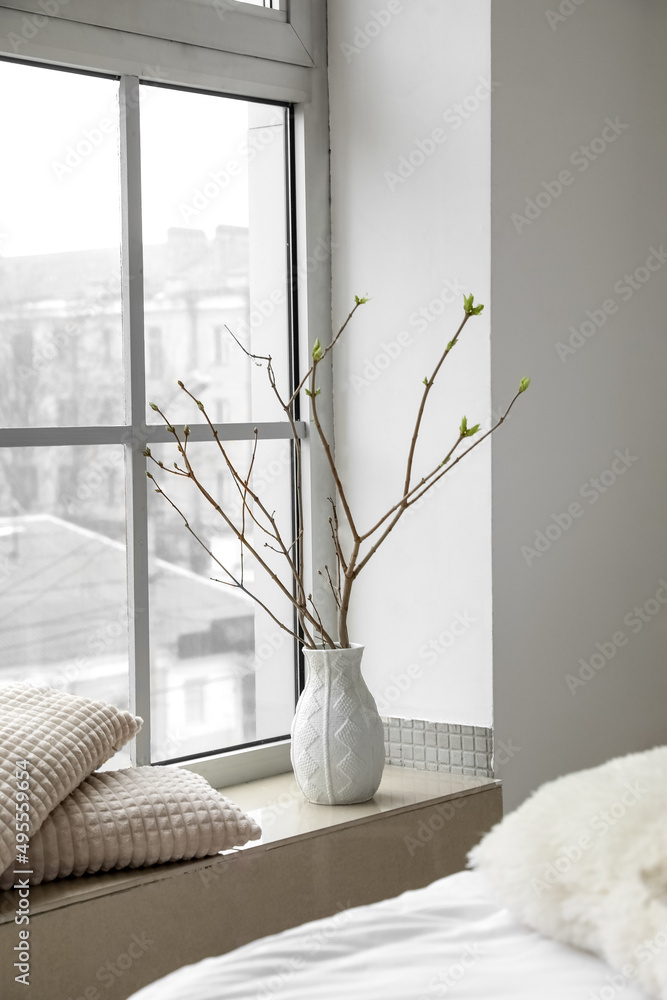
[(449, 939)]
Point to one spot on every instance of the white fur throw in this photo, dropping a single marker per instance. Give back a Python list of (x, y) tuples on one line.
[(63, 738), (131, 818), (584, 860)]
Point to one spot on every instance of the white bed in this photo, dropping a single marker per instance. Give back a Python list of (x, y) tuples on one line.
[(449, 939)]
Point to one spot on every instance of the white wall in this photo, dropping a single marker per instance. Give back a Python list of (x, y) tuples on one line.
[(394, 74), (557, 86)]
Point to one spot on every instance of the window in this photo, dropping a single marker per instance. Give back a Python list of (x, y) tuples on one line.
[(221, 344), (169, 177)]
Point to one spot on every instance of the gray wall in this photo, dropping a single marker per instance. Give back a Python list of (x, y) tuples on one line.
[(559, 82)]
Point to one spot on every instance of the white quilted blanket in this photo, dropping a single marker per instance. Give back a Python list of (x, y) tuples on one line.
[(131, 818)]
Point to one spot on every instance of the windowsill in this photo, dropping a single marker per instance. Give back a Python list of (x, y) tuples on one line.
[(285, 817)]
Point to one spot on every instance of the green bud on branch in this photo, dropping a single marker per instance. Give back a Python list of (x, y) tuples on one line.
[(318, 353), (360, 300), (523, 384), (426, 380), (466, 431), (469, 308), (153, 406)]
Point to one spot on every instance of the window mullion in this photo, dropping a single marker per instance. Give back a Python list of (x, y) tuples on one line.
[(136, 494)]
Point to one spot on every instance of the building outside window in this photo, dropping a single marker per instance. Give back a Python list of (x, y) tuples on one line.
[(102, 590)]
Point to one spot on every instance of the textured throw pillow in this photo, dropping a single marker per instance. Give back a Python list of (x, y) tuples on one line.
[(131, 818), (57, 740), (584, 860)]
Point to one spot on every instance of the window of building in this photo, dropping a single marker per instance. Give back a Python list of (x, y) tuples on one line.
[(154, 353), (158, 203), (221, 345)]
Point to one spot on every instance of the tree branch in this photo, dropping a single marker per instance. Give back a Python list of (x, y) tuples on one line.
[(422, 406)]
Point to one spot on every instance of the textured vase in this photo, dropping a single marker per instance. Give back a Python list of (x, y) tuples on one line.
[(337, 735)]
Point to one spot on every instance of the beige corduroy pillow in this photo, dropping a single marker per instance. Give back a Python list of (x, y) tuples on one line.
[(49, 742), (133, 818)]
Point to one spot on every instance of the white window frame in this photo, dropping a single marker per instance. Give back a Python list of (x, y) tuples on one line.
[(252, 52)]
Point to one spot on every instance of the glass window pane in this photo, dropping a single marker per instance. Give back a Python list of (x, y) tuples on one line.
[(63, 581), (215, 252), (222, 6), (222, 670), (60, 302)]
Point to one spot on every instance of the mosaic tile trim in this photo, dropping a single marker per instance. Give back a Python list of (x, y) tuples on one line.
[(439, 746)]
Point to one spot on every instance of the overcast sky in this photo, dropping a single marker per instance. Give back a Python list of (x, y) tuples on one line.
[(57, 198)]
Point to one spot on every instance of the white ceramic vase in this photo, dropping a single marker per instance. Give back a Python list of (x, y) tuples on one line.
[(337, 736)]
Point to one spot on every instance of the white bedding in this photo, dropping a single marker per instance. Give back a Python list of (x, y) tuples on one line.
[(449, 939)]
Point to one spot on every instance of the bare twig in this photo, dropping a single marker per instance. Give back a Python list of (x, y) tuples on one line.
[(329, 454), (428, 385), (288, 408), (335, 590), (350, 560), (235, 530), (234, 582), (275, 532)]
